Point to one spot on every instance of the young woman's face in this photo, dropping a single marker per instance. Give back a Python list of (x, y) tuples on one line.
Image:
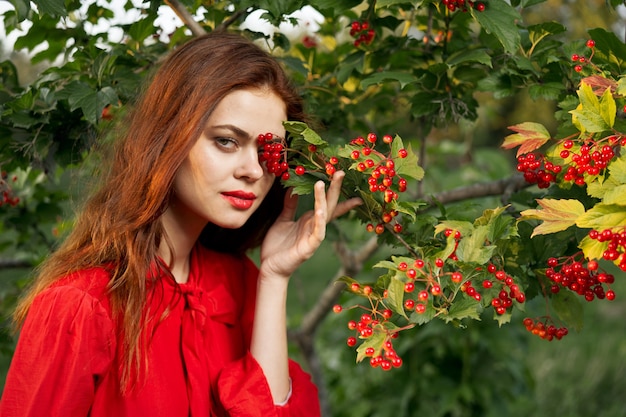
[(222, 180)]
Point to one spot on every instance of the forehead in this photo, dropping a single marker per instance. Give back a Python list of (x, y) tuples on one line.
[(253, 111)]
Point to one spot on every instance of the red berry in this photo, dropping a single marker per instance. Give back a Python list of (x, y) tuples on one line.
[(387, 138), (300, 170), (436, 289), (591, 43), (337, 308), (351, 341)]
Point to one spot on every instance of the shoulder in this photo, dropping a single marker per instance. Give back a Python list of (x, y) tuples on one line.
[(87, 288)]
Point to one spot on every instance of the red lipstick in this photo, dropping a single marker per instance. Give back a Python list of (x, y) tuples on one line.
[(240, 200)]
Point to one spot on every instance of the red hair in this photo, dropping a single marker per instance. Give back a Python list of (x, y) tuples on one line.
[(120, 223)]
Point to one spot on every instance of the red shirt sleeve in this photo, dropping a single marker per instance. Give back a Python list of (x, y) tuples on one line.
[(243, 388), (66, 344)]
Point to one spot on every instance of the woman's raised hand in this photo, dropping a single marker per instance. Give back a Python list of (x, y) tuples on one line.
[(290, 242)]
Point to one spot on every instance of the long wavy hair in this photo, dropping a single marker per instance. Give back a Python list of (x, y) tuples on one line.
[(120, 224)]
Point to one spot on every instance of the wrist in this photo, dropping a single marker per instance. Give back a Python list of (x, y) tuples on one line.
[(269, 274)]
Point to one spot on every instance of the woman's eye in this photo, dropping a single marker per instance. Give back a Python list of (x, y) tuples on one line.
[(226, 143)]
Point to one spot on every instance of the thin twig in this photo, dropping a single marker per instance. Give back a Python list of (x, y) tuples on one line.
[(184, 15)]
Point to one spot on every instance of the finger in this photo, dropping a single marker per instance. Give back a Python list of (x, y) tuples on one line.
[(321, 211), (345, 206), (290, 206), (333, 194)]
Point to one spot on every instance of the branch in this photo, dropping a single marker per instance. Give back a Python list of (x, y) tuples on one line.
[(14, 263), (184, 15), (504, 187), (226, 23), (351, 263)]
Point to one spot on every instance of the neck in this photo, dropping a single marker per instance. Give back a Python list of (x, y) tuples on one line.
[(181, 238)]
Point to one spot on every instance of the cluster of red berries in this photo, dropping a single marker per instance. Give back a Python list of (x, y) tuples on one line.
[(273, 153), (362, 33), (8, 197), (585, 279), (382, 178), (616, 245), (463, 5), (386, 359), (537, 170), (416, 273), (581, 164), (581, 60), (544, 329), (509, 290), (385, 355), (590, 160)]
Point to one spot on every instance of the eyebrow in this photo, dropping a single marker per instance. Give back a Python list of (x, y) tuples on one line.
[(234, 129), (239, 131)]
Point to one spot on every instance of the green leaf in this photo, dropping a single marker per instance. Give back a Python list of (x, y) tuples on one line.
[(22, 8), (617, 169), (386, 3), (598, 189), (395, 295), (608, 108), (537, 33), (464, 227), (472, 248), (142, 28), (548, 91), (609, 48), (52, 7), (301, 184), (337, 5), (592, 248), (407, 167), (464, 308), (470, 55), (303, 130), (617, 195), (403, 78), (603, 216), (91, 102), (375, 341), (500, 19), (594, 115), (621, 86), (567, 306)]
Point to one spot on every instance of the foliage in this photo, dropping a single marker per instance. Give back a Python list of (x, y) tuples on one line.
[(483, 250)]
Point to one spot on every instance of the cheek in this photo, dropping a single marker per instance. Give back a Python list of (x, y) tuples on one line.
[(268, 181)]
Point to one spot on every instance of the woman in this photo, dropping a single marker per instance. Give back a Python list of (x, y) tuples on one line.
[(150, 307)]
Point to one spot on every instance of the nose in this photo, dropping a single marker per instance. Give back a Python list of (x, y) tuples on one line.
[(250, 167)]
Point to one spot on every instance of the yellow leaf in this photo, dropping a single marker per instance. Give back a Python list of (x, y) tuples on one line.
[(556, 215)]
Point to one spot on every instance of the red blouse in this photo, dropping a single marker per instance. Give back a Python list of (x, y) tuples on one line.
[(198, 360)]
